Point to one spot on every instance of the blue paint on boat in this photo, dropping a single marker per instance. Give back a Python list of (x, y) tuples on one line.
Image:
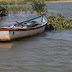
[(45, 18), (26, 21)]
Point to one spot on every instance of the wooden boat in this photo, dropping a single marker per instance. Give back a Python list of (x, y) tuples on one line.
[(23, 29)]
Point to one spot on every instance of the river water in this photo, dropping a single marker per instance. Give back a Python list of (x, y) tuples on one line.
[(46, 52)]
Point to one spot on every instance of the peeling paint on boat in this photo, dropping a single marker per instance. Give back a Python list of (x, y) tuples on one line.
[(4, 35)]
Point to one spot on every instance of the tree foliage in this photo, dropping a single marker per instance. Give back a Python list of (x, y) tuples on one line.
[(38, 6)]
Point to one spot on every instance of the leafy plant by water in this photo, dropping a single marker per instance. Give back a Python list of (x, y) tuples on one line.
[(38, 6), (58, 22), (12, 2), (3, 11), (16, 9)]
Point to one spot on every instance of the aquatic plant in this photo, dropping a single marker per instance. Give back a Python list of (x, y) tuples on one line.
[(18, 8), (4, 2), (12, 2), (58, 22), (38, 6), (3, 11)]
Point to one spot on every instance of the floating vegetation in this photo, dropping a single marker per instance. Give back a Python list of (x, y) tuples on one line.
[(58, 22), (5, 10), (16, 9), (12, 2)]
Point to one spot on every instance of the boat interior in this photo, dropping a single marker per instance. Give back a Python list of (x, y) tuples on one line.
[(26, 25), (31, 23)]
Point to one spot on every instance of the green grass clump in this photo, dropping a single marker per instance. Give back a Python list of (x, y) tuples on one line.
[(12, 2), (38, 6), (4, 3), (5, 10), (18, 8), (58, 22)]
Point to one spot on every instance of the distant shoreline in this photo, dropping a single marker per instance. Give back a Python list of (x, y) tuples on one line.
[(57, 1)]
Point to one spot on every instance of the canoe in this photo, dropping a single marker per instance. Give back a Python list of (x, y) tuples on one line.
[(23, 29)]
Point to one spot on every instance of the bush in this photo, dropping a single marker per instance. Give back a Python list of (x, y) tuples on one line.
[(38, 6), (58, 23)]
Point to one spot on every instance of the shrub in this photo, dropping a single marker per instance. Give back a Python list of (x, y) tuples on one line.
[(38, 6), (58, 23), (3, 11)]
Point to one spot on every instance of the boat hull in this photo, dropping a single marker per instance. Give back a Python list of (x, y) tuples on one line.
[(6, 35), (25, 33)]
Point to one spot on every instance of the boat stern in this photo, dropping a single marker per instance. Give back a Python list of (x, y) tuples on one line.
[(4, 35)]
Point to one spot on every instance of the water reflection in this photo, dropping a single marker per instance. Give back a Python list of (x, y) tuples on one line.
[(23, 42), (6, 45)]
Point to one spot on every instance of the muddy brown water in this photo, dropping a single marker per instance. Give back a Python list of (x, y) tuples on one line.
[(46, 52)]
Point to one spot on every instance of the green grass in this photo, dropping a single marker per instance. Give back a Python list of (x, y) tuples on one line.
[(18, 8), (12, 2)]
